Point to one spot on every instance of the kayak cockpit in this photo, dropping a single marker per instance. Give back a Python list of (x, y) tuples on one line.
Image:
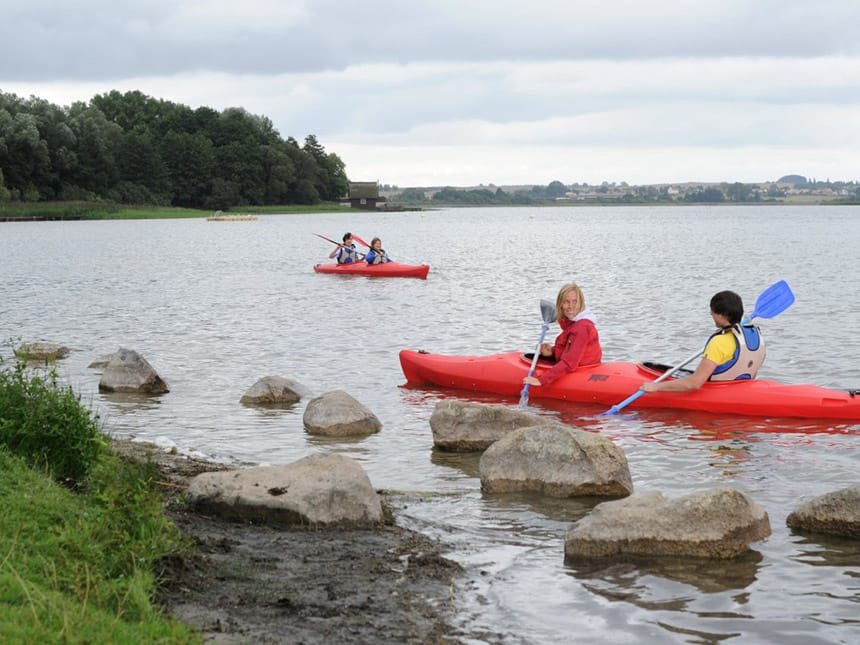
[(647, 368)]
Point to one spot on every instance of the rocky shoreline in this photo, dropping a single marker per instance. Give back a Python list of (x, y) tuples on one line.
[(253, 583)]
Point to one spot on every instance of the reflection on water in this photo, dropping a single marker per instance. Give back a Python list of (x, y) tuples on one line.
[(270, 409), (821, 550), (351, 445), (467, 463), (621, 579), (562, 510), (216, 308), (130, 403)]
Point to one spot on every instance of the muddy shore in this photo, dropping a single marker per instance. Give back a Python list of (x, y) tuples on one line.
[(257, 584)]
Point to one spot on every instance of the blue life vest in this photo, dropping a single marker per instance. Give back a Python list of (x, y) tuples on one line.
[(373, 257)]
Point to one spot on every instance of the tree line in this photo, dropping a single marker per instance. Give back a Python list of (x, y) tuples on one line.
[(557, 192), (535, 195), (134, 149)]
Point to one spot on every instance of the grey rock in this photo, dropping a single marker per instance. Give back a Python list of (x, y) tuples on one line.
[(41, 351), (316, 491), (556, 460), (720, 523), (465, 427), (101, 361), (273, 390), (337, 414), (128, 371), (836, 513)]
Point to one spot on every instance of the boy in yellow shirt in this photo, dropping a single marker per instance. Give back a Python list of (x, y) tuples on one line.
[(735, 352)]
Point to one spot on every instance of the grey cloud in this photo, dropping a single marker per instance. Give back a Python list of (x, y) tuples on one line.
[(492, 95), (101, 39)]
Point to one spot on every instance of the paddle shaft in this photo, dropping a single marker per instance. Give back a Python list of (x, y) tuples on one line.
[(328, 239), (524, 397), (616, 408)]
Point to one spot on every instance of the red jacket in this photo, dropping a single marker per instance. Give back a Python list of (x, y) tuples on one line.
[(577, 344)]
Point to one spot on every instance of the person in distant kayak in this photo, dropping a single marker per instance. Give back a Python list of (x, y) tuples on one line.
[(577, 344), (734, 352), (345, 253), (376, 254)]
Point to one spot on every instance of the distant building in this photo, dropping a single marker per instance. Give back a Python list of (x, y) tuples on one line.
[(364, 194)]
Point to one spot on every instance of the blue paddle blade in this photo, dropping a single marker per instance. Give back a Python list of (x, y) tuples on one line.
[(773, 300)]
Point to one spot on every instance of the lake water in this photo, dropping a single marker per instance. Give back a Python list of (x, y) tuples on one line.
[(214, 306)]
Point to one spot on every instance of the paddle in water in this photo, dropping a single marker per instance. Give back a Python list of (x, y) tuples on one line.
[(773, 301), (547, 312)]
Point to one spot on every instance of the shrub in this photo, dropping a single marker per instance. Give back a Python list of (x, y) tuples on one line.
[(45, 423)]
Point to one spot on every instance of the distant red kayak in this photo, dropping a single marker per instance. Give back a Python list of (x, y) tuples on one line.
[(610, 383), (387, 270)]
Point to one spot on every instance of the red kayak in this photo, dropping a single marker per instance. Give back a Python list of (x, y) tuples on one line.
[(609, 383), (387, 270)]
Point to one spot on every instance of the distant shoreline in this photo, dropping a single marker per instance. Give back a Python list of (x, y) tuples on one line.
[(72, 211), (65, 211)]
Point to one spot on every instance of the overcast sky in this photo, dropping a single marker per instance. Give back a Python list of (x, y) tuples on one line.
[(467, 92)]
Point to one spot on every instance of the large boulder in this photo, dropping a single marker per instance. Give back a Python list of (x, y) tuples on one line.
[(316, 491), (719, 523), (556, 460), (273, 390), (468, 427), (128, 371), (337, 414), (836, 513)]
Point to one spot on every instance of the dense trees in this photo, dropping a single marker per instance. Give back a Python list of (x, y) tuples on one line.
[(482, 197), (708, 195), (132, 148), (411, 196)]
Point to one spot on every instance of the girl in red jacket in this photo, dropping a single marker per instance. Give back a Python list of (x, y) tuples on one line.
[(577, 344)]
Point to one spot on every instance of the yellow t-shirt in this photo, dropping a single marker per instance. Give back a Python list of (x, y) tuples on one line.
[(720, 349)]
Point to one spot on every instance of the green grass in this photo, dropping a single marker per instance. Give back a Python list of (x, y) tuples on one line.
[(82, 533), (171, 212), (99, 210), (288, 210), (78, 568), (151, 212)]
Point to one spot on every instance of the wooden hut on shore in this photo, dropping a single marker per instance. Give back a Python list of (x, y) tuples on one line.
[(364, 195)]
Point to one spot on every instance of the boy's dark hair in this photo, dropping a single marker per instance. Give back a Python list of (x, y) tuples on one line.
[(728, 304), (346, 236)]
